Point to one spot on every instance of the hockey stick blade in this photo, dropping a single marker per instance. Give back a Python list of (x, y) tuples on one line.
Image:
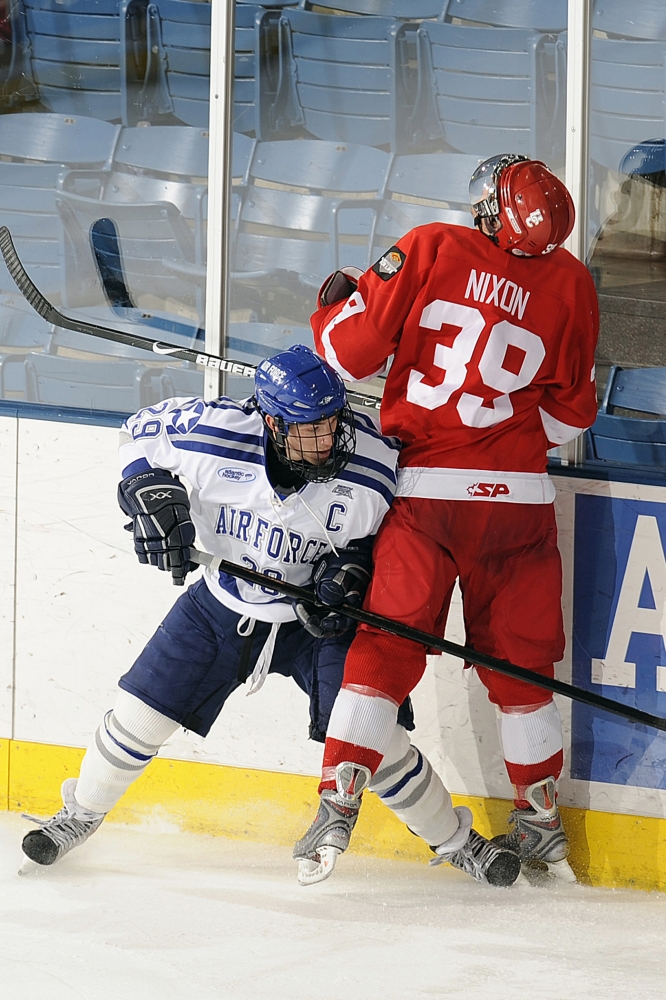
[(52, 315), (636, 715), (105, 246), (22, 280)]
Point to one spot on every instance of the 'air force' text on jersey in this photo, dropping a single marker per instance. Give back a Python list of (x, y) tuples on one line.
[(218, 447)]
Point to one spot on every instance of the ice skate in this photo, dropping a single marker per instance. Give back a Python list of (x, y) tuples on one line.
[(69, 828), (328, 837), (471, 853), (537, 835)]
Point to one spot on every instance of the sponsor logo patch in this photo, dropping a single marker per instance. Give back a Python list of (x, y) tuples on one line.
[(389, 265), (236, 475), (343, 491), (488, 490)]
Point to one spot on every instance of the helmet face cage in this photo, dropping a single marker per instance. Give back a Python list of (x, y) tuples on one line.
[(342, 448), (484, 184)]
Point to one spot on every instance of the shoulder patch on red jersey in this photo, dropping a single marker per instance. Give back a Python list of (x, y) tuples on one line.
[(389, 265)]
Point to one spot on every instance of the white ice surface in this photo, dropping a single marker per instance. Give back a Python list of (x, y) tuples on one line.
[(153, 915)]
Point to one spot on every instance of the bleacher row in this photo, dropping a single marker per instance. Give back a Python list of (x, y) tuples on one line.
[(295, 218), (472, 76)]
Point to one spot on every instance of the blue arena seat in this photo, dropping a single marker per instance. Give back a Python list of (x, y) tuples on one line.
[(309, 207), (484, 89), (38, 150), (349, 78), (184, 41), (424, 188), (22, 331), (628, 79), (154, 190), (534, 14), (80, 370), (89, 57), (619, 439)]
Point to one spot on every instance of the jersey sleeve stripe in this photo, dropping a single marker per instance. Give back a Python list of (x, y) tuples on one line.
[(369, 463), (133, 469), (212, 449), (391, 442), (251, 441), (372, 484)]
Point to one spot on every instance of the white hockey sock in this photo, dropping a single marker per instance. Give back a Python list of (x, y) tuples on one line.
[(123, 746), (408, 785), (530, 735)]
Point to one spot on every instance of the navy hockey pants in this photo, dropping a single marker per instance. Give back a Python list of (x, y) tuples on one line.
[(190, 666)]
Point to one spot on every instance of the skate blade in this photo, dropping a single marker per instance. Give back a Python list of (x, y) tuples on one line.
[(561, 870), (29, 867), (310, 872)]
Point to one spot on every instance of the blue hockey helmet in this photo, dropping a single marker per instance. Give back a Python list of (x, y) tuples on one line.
[(296, 387), (645, 159)]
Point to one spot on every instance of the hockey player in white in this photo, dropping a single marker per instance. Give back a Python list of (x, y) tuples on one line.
[(292, 484)]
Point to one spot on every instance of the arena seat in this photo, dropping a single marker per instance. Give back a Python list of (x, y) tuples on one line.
[(349, 78), (628, 78), (37, 151), (154, 190), (76, 369), (309, 207), (89, 58), (184, 43), (484, 89), (424, 188), (534, 14), (619, 439)]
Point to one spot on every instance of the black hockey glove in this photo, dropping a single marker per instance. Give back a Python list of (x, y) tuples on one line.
[(339, 285), (338, 579), (159, 507)]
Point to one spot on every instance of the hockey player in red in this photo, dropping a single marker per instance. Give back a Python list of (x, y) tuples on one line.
[(488, 336)]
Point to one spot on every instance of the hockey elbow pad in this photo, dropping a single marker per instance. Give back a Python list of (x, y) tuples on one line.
[(344, 578), (339, 285), (163, 530)]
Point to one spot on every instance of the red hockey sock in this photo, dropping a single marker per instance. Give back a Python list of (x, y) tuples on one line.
[(522, 776)]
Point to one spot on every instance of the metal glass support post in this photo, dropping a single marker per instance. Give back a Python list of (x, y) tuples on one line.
[(577, 133), (223, 17)]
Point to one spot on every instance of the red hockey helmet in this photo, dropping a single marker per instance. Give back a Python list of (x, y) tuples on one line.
[(532, 208)]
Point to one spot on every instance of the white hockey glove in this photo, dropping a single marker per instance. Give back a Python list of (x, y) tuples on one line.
[(163, 530), (339, 285)]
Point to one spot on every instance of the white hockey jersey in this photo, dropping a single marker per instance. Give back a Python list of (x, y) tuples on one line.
[(218, 447)]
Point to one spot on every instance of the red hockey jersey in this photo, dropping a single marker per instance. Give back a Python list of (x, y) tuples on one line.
[(492, 360)]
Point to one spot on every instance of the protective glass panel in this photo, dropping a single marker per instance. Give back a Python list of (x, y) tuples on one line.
[(356, 120), (627, 225), (103, 186)]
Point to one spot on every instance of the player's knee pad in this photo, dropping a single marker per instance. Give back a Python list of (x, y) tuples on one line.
[(122, 747), (408, 785)]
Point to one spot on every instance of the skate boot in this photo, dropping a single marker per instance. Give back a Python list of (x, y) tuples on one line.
[(57, 836), (537, 835), (484, 860), (328, 837)]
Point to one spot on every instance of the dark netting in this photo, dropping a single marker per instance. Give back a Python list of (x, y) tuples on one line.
[(311, 450)]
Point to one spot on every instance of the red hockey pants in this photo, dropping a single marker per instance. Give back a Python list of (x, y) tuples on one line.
[(506, 558)]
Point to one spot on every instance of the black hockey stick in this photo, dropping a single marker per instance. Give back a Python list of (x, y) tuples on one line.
[(50, 314), (105, 246), (435, 642)]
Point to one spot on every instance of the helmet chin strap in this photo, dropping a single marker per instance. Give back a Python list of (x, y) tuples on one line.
[(478, 222)]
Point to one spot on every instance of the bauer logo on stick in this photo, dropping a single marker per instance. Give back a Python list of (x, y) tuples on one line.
[(389, 265)]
